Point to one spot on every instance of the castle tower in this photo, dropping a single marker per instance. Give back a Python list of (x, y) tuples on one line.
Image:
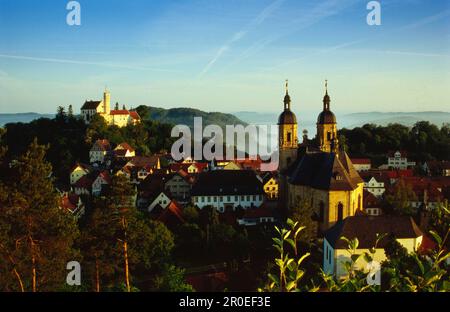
[(106, 102), (287, 134), (327, 126)]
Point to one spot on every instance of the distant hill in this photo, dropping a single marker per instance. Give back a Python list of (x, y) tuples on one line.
[(185, 116), (383, 119), (307, 119), (21, 117)]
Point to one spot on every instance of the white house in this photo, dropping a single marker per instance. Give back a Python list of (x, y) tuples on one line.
[(78, 171), (398, 160), (361, 164), (98, 151), (100, 181), (373, 186), (228, 190), (365, 229), (162, 200)]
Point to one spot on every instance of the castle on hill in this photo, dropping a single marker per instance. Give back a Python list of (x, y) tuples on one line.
[(317, 172), (117, 117)]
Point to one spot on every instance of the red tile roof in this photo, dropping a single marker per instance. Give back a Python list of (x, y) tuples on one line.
[(69, 202), (124, 146), (360, 161), (120, 112), (172, 214), (135, 115), (102, 145), (84, 182), (260, 212)]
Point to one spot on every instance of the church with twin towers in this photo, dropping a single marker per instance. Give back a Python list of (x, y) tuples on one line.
[(317, 171)]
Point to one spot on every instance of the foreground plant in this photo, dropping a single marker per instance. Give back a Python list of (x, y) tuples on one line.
[(289, 272)]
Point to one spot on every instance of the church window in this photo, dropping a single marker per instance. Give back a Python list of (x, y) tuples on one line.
[(329, 136), (289, 137), (322, 211), (340, 211)]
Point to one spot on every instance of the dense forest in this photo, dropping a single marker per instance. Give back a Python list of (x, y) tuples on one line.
[(185, 116), (424, 141)]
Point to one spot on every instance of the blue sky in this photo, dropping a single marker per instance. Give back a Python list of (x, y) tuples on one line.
[(227, 55)]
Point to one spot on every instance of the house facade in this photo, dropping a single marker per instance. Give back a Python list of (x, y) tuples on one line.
[(99, 150), (398, 160), (365, 229), (228, 190)]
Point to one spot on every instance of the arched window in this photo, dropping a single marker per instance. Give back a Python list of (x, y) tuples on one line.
[(289, 137), (340, 211), (321, 211)]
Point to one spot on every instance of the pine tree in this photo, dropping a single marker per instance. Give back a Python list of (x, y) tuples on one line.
[(142, 244), (70, 111), (39, 235)]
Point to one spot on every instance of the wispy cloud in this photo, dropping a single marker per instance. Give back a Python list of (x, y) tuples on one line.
[(318, 13), (68, 61), (427, 20), (259, 19)]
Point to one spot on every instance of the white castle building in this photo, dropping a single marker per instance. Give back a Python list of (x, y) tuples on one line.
[(117, 117)]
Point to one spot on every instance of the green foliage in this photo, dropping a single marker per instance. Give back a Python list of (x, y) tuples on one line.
[(115, 220), (63, 135), (418, 273), (355, 279), (399, 199), (191, 214), (186, 116), (172, 280), (423, 141), (304, 212), (37, 236), (289, 272)]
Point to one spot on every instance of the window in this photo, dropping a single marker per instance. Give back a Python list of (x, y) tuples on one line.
[(340, 211), (329, 136), (289, 137), (322, 211), (228, 198), (236, 198), (209, 199), (242, 197), (220, 198), (254, 197)]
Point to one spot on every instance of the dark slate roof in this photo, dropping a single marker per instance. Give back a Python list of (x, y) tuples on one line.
[(326, 117), (227, 182), (287, 117), (365, 228), (91, 105), (325, 171)]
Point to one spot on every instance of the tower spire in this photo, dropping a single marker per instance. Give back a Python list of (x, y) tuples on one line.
[(287, 98), (326, 98)]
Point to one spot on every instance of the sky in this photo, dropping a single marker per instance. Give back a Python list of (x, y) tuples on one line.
[(226, 55)]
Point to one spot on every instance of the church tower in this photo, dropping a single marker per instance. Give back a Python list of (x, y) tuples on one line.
[(287, 134), (327, 126), (106, 102)]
